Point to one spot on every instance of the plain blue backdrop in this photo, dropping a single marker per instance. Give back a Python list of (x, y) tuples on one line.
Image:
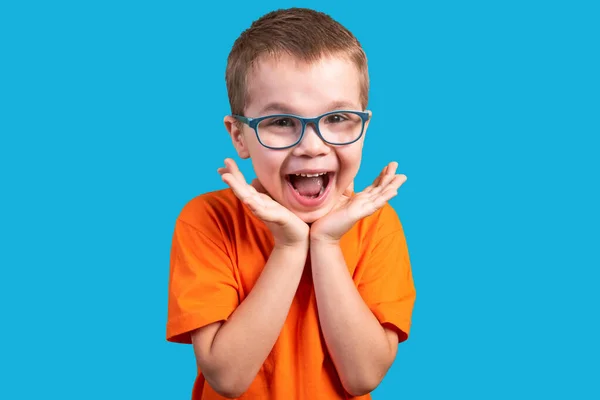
[(111, 120)]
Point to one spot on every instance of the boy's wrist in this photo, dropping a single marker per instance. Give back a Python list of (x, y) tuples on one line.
[(322, 241), (300, 245)]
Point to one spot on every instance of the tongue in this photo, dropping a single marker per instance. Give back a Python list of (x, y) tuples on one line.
[(307, 186)]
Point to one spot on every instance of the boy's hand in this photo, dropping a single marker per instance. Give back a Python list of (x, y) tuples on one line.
[(352, 208), (286, 227)]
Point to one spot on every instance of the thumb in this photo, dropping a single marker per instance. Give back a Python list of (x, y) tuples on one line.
[(349, 190)]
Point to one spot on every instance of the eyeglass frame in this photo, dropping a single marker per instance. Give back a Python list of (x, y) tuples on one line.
[(253, 123)]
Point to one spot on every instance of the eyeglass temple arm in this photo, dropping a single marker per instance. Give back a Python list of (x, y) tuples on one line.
[(243, 119)]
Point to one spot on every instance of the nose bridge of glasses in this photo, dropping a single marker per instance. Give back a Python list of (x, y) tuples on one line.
[(313, 124), (311, 141)]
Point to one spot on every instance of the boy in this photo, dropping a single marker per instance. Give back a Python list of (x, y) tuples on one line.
[(293, 286)]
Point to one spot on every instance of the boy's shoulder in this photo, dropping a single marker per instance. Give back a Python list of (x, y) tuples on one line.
[(382, 222), (210, 207)]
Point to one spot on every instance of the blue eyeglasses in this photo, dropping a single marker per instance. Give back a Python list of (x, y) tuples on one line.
[(282, 131)]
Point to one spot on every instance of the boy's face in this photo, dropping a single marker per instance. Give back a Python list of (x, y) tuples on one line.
[(287, 86)]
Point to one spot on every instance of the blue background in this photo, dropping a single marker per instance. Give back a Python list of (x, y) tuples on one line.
[(111, 120)]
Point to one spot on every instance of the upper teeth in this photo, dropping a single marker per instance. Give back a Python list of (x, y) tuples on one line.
[(311, 175)]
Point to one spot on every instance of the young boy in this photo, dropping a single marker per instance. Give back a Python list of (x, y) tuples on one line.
[(293, 286)]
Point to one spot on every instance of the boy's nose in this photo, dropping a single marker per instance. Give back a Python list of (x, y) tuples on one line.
[(311, 144)]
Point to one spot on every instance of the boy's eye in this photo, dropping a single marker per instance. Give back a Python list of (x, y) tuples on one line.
[(282, 122), (335, 118)]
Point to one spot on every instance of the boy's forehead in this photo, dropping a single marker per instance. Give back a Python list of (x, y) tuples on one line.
[(284, 83), (283, 62)]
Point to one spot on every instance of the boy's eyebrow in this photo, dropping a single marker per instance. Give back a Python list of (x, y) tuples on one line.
[(276, 107)]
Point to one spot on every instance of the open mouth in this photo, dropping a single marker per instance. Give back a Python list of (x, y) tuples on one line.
[(310, 186)]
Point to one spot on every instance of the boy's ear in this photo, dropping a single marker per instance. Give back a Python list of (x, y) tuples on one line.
[(237, 136)]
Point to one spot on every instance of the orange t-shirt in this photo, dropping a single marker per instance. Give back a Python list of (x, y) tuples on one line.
[(218, 252)]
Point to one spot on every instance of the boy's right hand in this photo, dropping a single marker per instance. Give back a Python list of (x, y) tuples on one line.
[(286, 227)]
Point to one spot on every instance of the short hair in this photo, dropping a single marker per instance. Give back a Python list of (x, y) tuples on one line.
[(302, 33)]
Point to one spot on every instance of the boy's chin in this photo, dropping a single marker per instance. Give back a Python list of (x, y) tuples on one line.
[(312, 216)]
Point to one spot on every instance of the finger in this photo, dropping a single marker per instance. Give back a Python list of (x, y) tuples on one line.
[(386, 178), (241, 190), (248, 195), (400, 179), (256, 205), (384, 197), (397, 181), (394, 185), (231, 177), (389, 174), (227, 168), (388, 171), (233, 168), (349, 190), (392, 167), (387, 194), (376, 181)]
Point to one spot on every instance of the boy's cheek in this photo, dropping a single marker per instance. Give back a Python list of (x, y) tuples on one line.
[(347, 176)]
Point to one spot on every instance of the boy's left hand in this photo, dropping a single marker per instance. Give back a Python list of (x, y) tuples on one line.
[(352, 208)]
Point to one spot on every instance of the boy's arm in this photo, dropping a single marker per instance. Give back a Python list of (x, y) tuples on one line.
[(360, 347), (230, 354)]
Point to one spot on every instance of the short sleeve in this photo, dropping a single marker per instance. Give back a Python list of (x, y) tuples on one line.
[(386, 284), (202, 285)]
